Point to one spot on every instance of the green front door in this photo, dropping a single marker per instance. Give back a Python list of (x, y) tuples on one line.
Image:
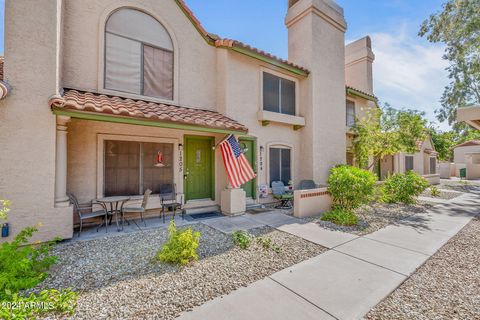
[(249, 145), (198, 167)]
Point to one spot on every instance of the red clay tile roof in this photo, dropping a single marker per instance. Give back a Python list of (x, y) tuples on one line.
[(468, 143), (99, 103), (216, 41), (361, 92)]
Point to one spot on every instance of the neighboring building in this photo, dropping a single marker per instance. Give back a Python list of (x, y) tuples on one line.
[(424, 162), (103, 89), (467, 155), (359, 58)]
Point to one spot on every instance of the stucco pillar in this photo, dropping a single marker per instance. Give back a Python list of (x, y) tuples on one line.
[(61, 199)]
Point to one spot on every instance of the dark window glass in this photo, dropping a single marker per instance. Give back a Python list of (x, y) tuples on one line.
[(286, 166), (408, 163), (288, 97), (350, 113), (271, 98), (433, 165), (122, 168), (133, 167), (278, 94), (274, 164), (280, 165)]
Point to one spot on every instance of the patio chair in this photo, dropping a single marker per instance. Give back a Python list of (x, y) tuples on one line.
[(168, 199), (307, 185), (134, 209), (85, 211), (279, 193)]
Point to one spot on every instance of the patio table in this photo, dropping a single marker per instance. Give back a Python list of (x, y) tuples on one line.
[(116, 205)]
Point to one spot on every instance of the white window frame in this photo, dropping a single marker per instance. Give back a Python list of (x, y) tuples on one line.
[(279, 145), (284, 76), (101, 56), (101, 138)]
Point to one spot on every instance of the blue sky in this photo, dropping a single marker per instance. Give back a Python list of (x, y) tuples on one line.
[(408, 71)]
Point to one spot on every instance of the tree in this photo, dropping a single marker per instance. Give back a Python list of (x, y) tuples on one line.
[(387, 131), (444, 143), (458, 26)]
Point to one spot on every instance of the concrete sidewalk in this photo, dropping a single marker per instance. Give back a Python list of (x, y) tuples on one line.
[(349, 279)]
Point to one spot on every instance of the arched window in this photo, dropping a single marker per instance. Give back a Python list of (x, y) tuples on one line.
[(138, 55)]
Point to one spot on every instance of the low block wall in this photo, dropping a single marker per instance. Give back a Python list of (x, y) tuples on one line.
[(311, 202), (432, 178), (446, 170)]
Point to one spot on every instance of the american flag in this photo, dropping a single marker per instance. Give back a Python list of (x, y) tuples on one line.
[(239, 171)]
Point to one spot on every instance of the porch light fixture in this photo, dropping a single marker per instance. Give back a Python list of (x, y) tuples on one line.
[(180, 147)]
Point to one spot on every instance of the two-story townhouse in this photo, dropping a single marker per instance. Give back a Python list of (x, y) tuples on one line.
[(116, 97)]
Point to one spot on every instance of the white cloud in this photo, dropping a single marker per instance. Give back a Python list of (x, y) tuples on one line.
[(408, 71)]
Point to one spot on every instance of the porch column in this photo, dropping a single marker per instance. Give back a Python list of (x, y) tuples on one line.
[(61, 199)]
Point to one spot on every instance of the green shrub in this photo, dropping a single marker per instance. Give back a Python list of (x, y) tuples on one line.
[(351, 187), (403, 187), (241, 238), (181, 247), (4, 208), (434, 192), (340, 216), (23, 266), (15, 306)]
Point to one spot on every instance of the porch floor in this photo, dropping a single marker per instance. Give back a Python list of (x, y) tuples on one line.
[(226, 224)]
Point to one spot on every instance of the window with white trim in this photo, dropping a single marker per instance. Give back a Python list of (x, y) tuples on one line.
[(408, 163), (350, 116), (138, 55), (131, 167), (280, 164), (279, 94)]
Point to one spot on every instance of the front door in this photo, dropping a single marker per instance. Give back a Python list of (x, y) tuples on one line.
[(198, 167), (249, 146)]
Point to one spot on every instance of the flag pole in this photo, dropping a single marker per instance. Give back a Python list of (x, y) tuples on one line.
[(224, 138)]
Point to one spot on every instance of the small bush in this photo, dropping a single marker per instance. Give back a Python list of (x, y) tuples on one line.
[(181, 247), (403, 187), (15, 306), (351, 187), (340, 216), (434, 192), (242, 239), (23, 266)]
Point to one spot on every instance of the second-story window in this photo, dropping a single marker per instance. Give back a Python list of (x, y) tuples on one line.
[(278, 94), (138, 55), (350, 113)]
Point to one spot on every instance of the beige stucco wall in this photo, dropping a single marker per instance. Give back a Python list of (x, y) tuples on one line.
[(311, 25), (459, 153), (84, 173), (421, 160), (358, 65), (27, 134), (67, 52), (195, 60)]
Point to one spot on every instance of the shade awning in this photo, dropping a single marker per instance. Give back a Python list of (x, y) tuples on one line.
[(471, 115), (95, 106)]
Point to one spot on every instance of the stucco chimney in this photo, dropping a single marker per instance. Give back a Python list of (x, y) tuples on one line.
[(359, 58), (316, 41)]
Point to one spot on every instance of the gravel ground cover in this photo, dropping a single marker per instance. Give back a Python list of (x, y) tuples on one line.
[(443, 195), (462, 186), (375, 216), (447, 286), (118, 280)]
